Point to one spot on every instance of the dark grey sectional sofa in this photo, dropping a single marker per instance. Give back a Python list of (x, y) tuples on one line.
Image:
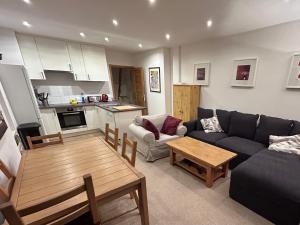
[(265, 181)]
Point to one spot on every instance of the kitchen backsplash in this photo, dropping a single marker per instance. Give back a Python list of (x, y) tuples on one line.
[(62, 87)]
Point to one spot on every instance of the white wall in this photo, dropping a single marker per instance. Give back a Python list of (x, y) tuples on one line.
[(156, 102), (9, 48), (274, 48), (120, 58)]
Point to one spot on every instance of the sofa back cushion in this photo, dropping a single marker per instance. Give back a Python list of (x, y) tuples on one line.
[(272, 126), (224, 119), (148, 125), (296, 128), (157, 120), (203, 114), (170, 125), (243, 125)]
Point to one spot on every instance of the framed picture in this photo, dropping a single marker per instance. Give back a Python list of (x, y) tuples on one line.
[(3, 125), (294, 75), (244, 72), (154, 79), (202, 73)]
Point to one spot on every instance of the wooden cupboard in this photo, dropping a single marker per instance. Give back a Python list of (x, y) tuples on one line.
[(186, 99)]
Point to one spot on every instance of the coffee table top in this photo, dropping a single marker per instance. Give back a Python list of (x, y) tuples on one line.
[(202, 152)]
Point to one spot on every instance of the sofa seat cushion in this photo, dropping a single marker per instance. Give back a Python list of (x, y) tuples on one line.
[(245, 148), (269, 184), (272, 126), (242, 125), (163, 138), (210, 138)]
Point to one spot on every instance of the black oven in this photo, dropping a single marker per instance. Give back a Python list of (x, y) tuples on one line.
[(71, 118)]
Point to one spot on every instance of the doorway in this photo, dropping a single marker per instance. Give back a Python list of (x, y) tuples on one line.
[(128, 85)]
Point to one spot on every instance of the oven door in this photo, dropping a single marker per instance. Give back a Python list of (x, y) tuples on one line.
[(71, 120)]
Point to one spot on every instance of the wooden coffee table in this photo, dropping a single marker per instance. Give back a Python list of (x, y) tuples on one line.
[(205, 161)]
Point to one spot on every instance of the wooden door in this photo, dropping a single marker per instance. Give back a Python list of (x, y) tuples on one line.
[(177, 101), (139, 94)]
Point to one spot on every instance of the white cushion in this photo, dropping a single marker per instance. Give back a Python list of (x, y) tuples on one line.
[(211, 125), (157, 120), (288, 144), (163, 138)]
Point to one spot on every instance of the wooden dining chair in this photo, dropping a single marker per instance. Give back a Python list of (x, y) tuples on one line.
[(6, 190), (112, 136), (133, 145), (46, 140), (67, 215)]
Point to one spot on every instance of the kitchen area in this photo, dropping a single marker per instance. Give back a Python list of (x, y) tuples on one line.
[(65, 87)]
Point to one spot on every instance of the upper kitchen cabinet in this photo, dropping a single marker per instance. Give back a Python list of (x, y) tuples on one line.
[(77, 62), (31, 57), (95, 62), (54, 54)]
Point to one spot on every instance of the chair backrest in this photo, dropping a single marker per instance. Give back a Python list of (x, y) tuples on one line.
[(46, 140), (112, 141), (62, 217), (5, 191), (133, 146)]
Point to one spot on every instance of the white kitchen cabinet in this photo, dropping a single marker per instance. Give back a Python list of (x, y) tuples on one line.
[(77, 61), (50, 121), (54, 54), (95, 62), (91, 117), (31, 57)]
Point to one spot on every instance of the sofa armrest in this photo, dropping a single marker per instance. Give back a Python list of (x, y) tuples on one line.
[(141, 133), (190, 125), (181, 130)]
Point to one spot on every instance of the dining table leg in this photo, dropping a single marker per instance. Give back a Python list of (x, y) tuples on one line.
[(143, 202)]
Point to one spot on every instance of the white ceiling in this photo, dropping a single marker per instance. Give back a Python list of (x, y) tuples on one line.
[(140, 22)]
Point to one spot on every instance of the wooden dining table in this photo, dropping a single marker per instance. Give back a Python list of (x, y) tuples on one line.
[(50, 171)]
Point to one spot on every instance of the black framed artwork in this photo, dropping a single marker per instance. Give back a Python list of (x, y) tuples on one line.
[(154, 79), (3, 125)]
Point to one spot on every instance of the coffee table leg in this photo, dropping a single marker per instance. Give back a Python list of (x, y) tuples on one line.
[(225, 169), (172, 157), (209, 177)]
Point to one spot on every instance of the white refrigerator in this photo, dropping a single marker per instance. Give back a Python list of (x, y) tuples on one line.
[(20, 94)]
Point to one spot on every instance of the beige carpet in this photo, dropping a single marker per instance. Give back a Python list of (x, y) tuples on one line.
[(175, 197)]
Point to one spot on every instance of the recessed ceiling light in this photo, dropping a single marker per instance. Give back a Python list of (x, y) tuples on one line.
[(209, 23), (27, 1), (106, 39), (140, 45), (152, 1), (82, 34), (168, 36), (115, 22), (26, 24)]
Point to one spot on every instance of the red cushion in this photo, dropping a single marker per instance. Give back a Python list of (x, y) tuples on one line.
[(170, 125), (151, 127)]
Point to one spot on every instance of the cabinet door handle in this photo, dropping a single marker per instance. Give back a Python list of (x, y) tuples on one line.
[(89, 77), (75, 76), (54, 112), (43, 75), (70, 67)]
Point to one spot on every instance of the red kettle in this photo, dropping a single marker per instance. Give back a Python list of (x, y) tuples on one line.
[(104, 98)]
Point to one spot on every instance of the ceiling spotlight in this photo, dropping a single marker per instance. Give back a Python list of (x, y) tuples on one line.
[(26, 24), (168, 36), (209, 23), (82, 34), (152, 1), (106, 39), (140, 45), (115, 22), (27, 1)]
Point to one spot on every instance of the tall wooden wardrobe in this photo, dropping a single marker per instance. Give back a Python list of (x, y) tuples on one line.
[(186, 99)]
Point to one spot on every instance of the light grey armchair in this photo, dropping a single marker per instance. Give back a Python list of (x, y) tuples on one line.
[(146, 144)]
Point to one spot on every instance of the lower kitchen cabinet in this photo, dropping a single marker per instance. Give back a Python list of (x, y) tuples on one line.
[(91, 117), (50, 121)]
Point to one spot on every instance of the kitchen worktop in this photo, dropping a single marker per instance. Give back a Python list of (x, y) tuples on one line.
[(109, 106)]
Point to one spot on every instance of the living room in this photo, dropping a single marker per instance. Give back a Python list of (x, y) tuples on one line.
[(212, 125)]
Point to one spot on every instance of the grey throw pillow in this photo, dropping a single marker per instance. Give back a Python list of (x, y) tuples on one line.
[(211, 125)]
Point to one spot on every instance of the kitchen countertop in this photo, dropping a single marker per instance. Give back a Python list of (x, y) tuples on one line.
[(109, 106)]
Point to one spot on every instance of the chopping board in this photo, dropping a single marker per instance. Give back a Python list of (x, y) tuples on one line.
[(124, 107)]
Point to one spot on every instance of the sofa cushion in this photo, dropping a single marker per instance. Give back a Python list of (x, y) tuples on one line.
[(163, 138), (245, 148), (272, 126), (203, 114), (224, 119), (296, 128), (170, 125), (148, 125), (157, 120), (242, 125), (210, 138)]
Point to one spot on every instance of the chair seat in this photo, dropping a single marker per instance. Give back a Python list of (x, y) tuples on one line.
[(245, 148), (210, 138)]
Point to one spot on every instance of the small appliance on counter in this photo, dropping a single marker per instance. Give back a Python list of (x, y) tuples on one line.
[(91, 99), (104, 98), (43, 97)]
